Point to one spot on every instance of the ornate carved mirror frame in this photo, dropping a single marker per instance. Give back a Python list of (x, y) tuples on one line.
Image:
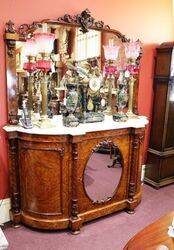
[(13, 34)]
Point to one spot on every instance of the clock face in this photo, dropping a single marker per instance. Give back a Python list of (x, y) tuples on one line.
[(95, 84)]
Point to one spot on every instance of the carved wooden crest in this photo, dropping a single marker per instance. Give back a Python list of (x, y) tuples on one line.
[(84, 20)]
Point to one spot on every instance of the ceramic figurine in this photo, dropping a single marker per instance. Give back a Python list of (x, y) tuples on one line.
[(69, 119), (25, 120)]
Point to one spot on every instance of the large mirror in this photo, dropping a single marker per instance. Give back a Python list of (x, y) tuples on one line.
[(103, 172), (72, 66)]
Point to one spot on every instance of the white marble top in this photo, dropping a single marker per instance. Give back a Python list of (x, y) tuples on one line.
[(81, 129)]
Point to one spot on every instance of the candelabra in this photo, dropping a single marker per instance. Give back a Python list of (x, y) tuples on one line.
[(110, 71), (45, 43), (40, 45), (30, 51), (132, 52)]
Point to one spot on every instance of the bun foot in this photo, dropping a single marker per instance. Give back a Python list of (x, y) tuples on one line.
[(16, 225), (75, 232), (75, 225), (130, 211)]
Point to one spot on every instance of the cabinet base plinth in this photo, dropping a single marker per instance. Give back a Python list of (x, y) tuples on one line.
[(15, 218), (161, 183), (75, 225)]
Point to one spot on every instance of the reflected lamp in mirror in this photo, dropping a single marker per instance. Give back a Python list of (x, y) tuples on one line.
[(40, 44), (30, 51), (45, 42)]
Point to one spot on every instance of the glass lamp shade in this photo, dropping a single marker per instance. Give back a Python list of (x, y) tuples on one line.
[(111, 52), (45, 42), (133, 69), (110, 70), (30, 47), (30, 66), (44, 65), (132, 49)]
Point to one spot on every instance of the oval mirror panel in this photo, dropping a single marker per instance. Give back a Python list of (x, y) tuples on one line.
[(103, 172)]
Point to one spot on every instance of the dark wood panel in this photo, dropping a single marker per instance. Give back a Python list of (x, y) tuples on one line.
[(40, 181), (159, 112), (169, 143), (167, 167), (152, 167), (163, 60)]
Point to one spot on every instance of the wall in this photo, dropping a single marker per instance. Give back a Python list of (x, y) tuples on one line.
[(150, 21)]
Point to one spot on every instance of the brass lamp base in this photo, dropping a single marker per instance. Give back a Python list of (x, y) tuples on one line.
[(131, 115), (108, 111), (45, 122)]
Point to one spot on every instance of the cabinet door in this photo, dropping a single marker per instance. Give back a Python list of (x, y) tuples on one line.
[(42, 176)]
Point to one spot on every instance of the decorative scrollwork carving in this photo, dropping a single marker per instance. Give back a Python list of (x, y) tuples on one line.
[(75, 153), (61, 151), (138, 138), (26, 29), (10, 28), (84, 20), (67, 19), (102, 201), (11, 48)]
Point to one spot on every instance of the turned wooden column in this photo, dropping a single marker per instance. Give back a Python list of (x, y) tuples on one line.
[(76, 222), (14, 179), (137, 139)]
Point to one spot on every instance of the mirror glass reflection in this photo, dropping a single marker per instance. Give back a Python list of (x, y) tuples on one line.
[(103, 172), (75, 62)]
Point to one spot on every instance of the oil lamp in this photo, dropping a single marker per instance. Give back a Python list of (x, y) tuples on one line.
[(30, 51), (45, 42), (110, 70), (132, 52)]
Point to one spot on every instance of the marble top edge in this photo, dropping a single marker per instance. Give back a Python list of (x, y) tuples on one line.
[(81, 129)]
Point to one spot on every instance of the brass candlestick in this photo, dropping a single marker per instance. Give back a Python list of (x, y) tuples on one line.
[(109, 94), (130, 113), (45, 121), (30, 93), (44, 95), (31, 60)]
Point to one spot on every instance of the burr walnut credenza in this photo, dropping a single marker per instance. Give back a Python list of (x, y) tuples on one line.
[(74, 135), (61, 178)]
